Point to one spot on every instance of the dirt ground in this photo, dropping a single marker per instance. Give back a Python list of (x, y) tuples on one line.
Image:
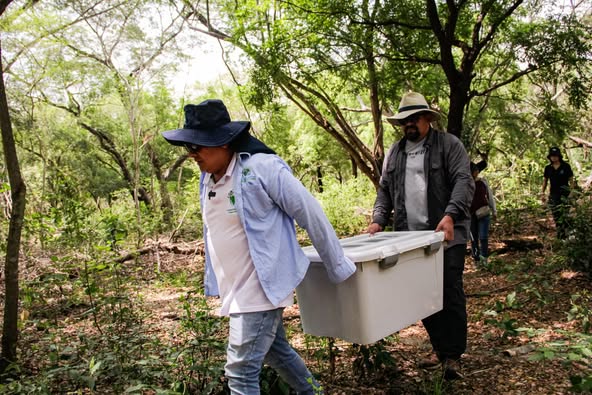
[(495, 362)]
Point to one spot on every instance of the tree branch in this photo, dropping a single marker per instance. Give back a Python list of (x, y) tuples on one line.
[(178, 162), (293, 90), (432, 11), (446, 56), (162, 45), (51, 32), (528, 70), (392, 22), (205, 20), (581, 142), (479, 23), (413, 58), (495, 25)]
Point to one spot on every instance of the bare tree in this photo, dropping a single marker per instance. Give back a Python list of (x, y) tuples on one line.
[(18, 192)]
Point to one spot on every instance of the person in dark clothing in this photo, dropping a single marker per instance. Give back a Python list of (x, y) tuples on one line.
[(481, 165), (559, 174), (482, 209), (427, 183)]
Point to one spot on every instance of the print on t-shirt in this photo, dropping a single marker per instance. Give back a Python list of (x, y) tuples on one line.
[(231, 200)]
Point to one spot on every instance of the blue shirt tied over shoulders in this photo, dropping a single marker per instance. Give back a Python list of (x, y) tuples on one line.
[(268, 200)]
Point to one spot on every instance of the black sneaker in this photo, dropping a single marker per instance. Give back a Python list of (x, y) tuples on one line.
[(451, 369), (431, 362)]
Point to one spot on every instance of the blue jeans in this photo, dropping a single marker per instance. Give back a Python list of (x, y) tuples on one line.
[(480, 236), (257, 338)]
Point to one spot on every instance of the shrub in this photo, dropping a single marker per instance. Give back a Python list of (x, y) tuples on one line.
[(576, 248), (348, 205)]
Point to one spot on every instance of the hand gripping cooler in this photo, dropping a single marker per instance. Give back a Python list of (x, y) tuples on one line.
[(398, 281)]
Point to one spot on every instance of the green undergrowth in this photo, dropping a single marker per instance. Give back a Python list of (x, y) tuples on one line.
[(85, 325)]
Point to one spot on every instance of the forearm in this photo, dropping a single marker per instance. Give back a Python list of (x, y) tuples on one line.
[(463, 188), (383, 208)]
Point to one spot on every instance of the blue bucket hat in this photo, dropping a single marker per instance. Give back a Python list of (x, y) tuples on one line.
[(207, 124)]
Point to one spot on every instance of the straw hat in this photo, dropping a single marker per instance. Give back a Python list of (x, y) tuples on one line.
[(411, 103)]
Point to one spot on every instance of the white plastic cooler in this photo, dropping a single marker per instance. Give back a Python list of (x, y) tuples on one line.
[(398, 281)]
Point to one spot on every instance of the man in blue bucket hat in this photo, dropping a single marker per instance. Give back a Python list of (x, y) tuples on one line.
[(249, 201)]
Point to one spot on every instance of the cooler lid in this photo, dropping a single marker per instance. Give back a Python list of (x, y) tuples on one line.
[(381, 245)]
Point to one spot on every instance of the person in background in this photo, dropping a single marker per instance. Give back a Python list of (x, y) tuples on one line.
[(482, 165), (427, 183), (482, 209), (559, 174), (249, 201)]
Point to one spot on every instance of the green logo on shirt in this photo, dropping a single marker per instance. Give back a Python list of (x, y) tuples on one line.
[(231, 197), (247, 175)]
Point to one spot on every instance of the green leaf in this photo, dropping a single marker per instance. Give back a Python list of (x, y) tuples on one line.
[(510, 299), (135, 388), (587, 352), (94, 367), (536, 357), (572, 356)]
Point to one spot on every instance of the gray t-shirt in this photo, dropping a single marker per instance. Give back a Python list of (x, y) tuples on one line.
[(416, 193)]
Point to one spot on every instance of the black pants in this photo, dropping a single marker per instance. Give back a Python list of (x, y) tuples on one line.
[(560, 209), (448, 328)]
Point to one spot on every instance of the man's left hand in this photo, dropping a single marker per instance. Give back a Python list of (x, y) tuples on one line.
[(446, 225)]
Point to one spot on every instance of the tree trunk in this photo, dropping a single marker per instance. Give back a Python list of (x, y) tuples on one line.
[(109, 146), (11, 267), (378, 146), (458, 100), (165, 200), (320, 179), (458, 80), (355, 171)]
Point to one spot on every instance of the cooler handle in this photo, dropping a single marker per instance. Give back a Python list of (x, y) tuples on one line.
[(433, 247), (389, 261)]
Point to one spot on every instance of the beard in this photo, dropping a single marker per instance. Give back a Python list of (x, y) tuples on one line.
[(412, 133)]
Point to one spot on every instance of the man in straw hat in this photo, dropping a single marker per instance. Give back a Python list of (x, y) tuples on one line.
[(558, 173), (249, 201), (427, 183)]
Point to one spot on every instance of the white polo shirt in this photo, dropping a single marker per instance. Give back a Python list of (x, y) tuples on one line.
[(239, 286)]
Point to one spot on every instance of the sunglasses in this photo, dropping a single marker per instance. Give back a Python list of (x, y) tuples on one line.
[(193, 148), (411, 118)]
